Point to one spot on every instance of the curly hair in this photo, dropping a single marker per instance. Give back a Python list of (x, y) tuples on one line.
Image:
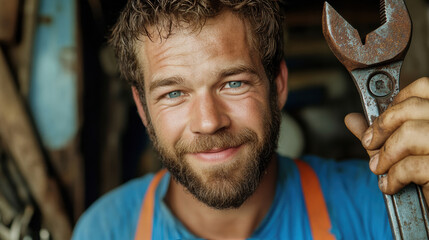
[(139, 16)]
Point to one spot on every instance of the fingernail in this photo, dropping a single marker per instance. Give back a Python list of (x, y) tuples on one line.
[(374, 162), (382, 182), (367, 137)]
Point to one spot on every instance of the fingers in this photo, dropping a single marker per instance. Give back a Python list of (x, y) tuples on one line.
[(411, 109), (412, 103), (418, 88), (411, 139), (399, 139), (410, 169)]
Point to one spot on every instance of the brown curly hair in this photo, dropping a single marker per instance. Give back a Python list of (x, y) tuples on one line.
[(163, 15)]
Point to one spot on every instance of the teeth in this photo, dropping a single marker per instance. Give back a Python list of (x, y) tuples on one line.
[(383, 12)]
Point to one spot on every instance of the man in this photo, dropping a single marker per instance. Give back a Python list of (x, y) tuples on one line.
[(209, 80)]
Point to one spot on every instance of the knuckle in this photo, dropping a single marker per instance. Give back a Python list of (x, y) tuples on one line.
[(419, 167), (424, 81), (405, 138), (415, 101), (398, 177), (405, 169), (407, 127), (385, 161), (425, 185), (394, 171), (385, 120)]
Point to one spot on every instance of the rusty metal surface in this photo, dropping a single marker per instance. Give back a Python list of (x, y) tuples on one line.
[(387, 43), (375, 67)]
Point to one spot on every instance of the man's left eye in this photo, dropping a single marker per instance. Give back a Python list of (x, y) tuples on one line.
[(174, 94), (234, 84)]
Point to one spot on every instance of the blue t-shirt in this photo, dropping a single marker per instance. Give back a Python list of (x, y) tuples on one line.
[(355, 206)]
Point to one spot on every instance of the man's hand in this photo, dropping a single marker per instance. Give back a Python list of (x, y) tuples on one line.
[(398, 140)]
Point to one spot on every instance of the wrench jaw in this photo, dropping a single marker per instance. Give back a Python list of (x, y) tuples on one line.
[(386, 44), (394, 12), (374, 65), (392, 39), (342, 38)]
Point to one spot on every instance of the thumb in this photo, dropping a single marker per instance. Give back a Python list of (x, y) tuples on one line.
[(356, 123)]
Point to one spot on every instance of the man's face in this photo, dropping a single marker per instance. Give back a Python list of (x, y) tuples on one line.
[(209, 112)]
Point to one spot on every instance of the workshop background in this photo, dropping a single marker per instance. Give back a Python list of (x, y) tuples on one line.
[(69, 131)]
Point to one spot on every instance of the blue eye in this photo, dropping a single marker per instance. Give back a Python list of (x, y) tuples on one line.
[(234, 84), (174, 94)]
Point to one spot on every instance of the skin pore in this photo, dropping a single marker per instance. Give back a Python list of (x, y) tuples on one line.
[(203, 88)]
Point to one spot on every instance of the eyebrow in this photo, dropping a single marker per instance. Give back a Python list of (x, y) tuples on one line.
[(238, 70), (175, 80)]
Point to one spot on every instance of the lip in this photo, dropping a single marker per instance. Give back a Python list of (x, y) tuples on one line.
[(216, 155)]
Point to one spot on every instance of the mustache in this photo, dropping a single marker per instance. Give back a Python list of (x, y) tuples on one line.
[(220, 140)]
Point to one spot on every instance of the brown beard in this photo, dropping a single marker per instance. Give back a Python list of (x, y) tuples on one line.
[(227, 185)]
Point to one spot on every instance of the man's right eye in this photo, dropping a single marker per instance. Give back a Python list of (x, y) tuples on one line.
[(174, 94)]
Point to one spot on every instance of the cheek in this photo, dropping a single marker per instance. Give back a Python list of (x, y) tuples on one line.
[(250, 113), (169, 124)]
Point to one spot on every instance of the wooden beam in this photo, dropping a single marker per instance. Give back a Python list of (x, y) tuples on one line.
[(18, 135), (8, 20), (20, 54)]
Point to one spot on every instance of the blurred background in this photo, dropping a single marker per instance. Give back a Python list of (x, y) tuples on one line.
[(69, 131)]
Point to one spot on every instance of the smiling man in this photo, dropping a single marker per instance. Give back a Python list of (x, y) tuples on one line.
[(209, 81), (207, 109)]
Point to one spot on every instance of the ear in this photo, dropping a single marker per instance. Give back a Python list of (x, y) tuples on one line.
[(281, 83), (139, 104)]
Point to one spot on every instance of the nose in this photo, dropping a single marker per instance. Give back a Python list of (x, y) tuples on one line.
[(208, 115)]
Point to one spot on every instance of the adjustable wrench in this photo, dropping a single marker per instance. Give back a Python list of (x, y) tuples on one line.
[(375, 68)]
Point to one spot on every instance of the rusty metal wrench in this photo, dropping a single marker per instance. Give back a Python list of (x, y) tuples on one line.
[(375, 68)]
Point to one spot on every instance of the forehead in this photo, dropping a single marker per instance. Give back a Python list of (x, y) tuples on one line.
[(225, 39)]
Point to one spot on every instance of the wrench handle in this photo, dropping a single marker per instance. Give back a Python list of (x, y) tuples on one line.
[(407, 210)]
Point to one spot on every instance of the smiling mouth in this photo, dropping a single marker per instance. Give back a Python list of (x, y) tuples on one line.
[(217, 154)]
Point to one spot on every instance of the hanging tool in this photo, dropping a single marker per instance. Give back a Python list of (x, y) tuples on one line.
[(375, 68)]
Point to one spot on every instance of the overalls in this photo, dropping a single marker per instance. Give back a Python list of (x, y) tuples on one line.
[(320, 222)]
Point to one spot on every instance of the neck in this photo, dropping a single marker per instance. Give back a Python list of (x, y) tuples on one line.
[(210, 223)]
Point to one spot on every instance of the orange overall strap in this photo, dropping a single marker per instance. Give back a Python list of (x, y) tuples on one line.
[(320, 222), (145, 223)]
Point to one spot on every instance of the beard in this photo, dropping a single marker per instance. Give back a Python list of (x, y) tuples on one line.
[(227, 185)]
